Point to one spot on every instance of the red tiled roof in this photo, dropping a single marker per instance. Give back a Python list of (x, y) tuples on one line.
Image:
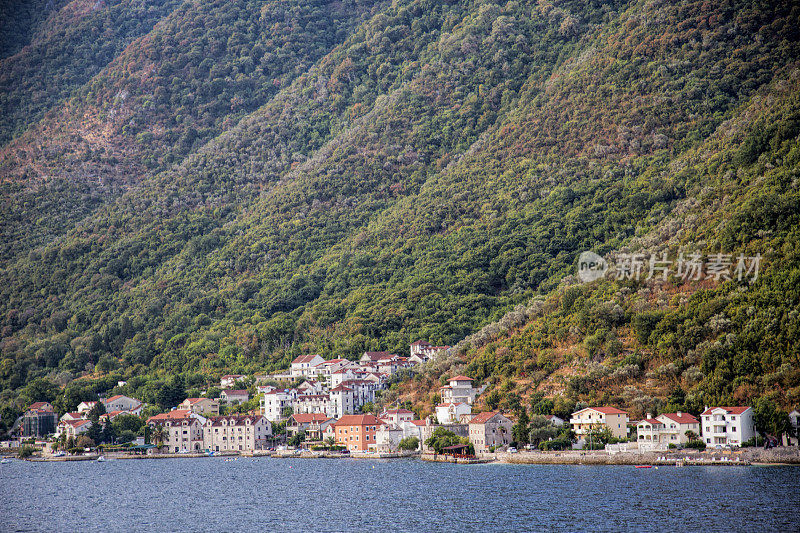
[(176, 415), (308, 418), (608, 410), (729, 410), (39, 405), (304, 359), (482, 418), (399, 412), (115, 397), (192, 401), (652, 421), (235, 392), (358, 420), (420, 422), (454, 404), (461, 378), (684, 418), (341, 388), (420, 343)]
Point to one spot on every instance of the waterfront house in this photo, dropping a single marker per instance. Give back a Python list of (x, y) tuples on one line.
[(313, 424), (39, 420), (676, 425), (727, 426), (229, 381), (388, 437), (120, 402), (201, 406), (236, 433), (73, 428), (304, 366), (357, 432), (453, 412), (234, 396), (599, 418), (182, 430), (458, 389), (490, 429)]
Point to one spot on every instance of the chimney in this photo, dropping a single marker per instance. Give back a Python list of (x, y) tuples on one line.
[(649, 415), (679, 414)]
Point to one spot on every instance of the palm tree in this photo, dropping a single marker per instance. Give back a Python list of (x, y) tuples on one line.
[(158, 436)]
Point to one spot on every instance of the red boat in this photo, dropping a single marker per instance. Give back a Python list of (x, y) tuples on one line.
[(644, 466)]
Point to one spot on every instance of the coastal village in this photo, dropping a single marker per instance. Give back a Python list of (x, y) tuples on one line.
[(328, 406)]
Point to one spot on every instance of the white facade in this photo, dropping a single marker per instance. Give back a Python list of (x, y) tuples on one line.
[(458, 390), (122, 403), (727, 426), (453, 413), (274, 402), (304, 366)]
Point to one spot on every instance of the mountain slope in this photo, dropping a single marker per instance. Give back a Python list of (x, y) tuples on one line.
[(446, 162)]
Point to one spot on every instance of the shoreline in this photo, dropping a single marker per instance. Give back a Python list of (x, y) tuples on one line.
[(749, 457)]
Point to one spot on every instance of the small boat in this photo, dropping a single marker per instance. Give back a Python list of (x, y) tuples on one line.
[(644, 466), (101, 459), (5, 461)]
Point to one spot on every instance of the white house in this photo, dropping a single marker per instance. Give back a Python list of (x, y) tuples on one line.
[(459, 389), (556, 421), (727, 426), (388, 437), (599, 418), (85, 407), (73, 428), (666, 429), (123, 403), (229, 381), (422, 351), (233, 396), (304, 366), (397, 416), (274, 402), (453, 413)]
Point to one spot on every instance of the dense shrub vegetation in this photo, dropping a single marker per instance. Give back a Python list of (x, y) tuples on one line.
[(220, 186)]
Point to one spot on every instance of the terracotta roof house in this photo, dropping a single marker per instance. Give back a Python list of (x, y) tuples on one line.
[(490, 429), (589, 419), (357, 432)]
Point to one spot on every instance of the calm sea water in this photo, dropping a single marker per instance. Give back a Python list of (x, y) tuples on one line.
[(262, 494)]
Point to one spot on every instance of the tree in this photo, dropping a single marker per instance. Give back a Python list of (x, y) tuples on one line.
[(96, 412), (287, 412), (158, 436), (541, 430), (368, 407), (442, 438), (297, 439), (521, 428), (84, 442), (769, 419), (409, 444)]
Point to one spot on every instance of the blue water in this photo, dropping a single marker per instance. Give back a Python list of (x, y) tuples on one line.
[(252, 494)]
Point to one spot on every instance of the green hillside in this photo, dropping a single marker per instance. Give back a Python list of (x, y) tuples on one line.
[(248, 181)]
